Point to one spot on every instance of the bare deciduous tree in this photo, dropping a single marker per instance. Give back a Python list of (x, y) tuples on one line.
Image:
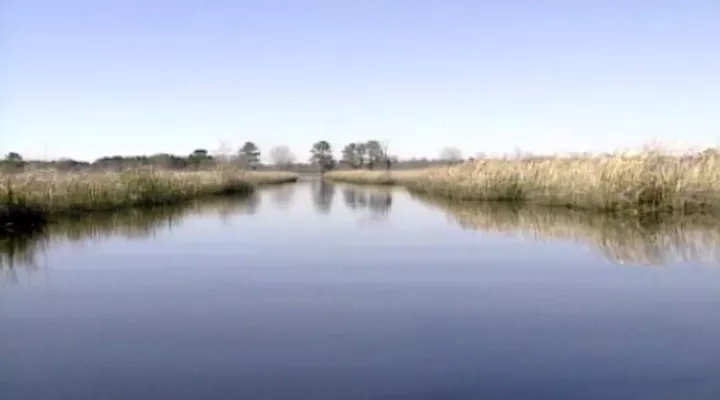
[(224, 152), (451, 155), (282, 156)]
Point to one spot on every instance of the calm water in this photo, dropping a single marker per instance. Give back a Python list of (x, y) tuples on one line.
[(319, 291)]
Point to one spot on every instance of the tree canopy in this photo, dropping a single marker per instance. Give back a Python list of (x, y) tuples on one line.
[(321, 155), (250, 154), (282, 156)]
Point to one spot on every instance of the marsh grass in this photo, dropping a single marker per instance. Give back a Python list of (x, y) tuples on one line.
[(621, 183), (648, 239), (31, 199)]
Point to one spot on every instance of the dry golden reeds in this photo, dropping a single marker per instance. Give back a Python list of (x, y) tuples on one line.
[(30, 198), (648, 182)]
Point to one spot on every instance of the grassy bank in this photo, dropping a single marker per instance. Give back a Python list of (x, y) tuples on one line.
[(381, 177), (30, 200), (618, 183), (363, 177), (620, 239)]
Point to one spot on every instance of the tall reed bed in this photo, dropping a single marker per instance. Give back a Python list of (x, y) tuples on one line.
[(30, 199), (652, 181)]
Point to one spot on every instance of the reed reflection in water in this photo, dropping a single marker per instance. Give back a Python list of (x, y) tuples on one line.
[(622, 240), (23, 251)]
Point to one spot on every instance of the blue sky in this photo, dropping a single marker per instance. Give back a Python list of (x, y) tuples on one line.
[(86, 78)]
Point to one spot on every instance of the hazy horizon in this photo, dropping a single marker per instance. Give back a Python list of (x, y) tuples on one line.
[(85, 79)]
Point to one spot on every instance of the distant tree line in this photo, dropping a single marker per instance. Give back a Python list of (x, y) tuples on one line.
[(247, 156), (371, 154)]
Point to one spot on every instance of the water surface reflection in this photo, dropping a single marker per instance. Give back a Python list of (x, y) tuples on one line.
[(323, 194), (647, 241), (297, 301), (282, 195), (619, 240), (143, 223), (375, 200)]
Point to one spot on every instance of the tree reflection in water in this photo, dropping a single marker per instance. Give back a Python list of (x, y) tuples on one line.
[(323, 194), (376, 200), (282, 195)]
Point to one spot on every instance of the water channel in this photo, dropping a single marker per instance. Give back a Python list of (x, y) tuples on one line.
[(326, 291)]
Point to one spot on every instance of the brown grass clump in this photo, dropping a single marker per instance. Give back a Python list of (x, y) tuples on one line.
[(645, 239), (29, 199)]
